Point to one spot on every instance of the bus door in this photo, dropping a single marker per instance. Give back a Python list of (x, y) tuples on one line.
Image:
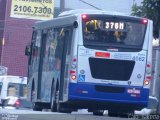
[(34, 61), (49, 42), (40, 64), (54, 54), (63, 51)]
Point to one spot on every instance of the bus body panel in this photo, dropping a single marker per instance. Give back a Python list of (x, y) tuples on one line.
[(136, 78), (90, 92)]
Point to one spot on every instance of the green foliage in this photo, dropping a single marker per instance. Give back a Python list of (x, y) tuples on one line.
[(149, 9)]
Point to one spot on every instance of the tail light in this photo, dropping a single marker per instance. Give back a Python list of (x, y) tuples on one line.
[(144, 21), (84, 16), (147, 76), (17, 103), (73, 68), (146, 82)]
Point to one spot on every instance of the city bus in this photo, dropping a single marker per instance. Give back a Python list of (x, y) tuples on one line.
[(90, 59)]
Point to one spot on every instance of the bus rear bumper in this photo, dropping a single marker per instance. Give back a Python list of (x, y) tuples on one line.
[(86, 96)]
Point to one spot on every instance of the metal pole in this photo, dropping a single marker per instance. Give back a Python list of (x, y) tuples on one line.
[(62, 5)]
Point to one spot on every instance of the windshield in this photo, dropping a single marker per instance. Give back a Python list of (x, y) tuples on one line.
[(109, 30)]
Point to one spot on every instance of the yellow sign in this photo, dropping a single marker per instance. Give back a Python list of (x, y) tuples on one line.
[(33, 9)]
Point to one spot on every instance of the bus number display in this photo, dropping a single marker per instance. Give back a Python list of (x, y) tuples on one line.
[(114, 25)]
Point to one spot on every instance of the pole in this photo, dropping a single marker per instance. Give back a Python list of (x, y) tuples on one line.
[(62, 5)]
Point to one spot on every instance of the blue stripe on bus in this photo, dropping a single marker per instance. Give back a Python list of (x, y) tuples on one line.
[(86, 91)]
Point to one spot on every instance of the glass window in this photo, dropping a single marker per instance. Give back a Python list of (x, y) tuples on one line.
[(110, 30), (36, 50), (17, 90)]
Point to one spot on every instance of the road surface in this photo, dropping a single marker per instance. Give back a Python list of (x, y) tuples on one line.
[(8, 114)]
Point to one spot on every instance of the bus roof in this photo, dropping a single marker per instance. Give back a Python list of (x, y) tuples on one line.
[(59, 21), (89, 11), (92, 11), (71, 16)]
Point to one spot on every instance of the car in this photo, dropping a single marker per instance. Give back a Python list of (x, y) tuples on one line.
[(16, 103)]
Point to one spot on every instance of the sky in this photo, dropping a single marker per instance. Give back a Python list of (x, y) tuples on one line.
[(123, 6)]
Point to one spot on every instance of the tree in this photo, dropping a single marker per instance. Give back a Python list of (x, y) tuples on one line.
[(149, 9)]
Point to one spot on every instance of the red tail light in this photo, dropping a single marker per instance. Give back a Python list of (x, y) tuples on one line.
[(84, 16), (17, 103), (148, 77), (72, 72), (148, 65), (144, 21), (73, 69)]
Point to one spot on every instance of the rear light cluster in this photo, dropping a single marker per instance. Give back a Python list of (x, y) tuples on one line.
[(17, 103), (84, 16), (147, 76), (144, 21), (72, 71)]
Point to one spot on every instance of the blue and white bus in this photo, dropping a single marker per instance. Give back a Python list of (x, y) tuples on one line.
[(90, 59)]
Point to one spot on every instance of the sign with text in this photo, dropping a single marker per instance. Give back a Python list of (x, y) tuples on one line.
[(115, 25), (33, 9)]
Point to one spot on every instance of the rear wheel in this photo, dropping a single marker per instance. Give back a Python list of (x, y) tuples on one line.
[(98, 112), (120, 113), (62, 108), (113, 113), (37, 107)]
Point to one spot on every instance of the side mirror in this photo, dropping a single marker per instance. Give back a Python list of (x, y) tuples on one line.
[(75, 24), (28, 50)]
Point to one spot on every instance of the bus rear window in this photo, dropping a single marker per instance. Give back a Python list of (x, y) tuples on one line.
[(110, 30)]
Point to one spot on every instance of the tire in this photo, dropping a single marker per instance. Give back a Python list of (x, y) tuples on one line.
[(158, 109), (98, 112), (61, 108), (36, 107), (113, 113), (124, 114)]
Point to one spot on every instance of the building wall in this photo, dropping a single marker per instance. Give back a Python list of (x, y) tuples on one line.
[(2, 22), (17, 34)]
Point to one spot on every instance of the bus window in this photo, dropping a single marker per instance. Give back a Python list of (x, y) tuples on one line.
[(59, 48), (36, 48), (113, 31)]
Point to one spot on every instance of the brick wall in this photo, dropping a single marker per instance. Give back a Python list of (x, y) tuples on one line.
[(2, 17), (17, 36)]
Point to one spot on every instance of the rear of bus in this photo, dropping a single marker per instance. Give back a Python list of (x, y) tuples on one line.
[(113, 62)]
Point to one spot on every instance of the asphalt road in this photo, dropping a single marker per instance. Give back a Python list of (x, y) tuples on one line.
[(7, 114)]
